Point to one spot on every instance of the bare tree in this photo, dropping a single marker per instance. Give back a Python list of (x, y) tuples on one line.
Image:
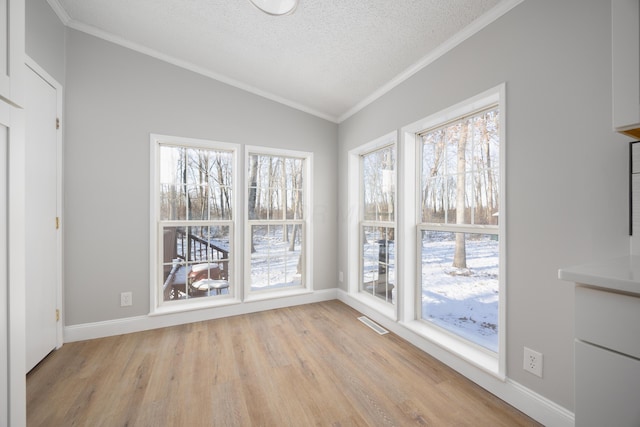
[(296, 202)]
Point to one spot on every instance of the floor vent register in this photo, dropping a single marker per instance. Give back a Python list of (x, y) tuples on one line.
[(373, 325)]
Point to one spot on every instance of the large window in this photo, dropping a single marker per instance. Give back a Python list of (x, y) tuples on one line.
[(277, 211), (377, 226), (193, 215), (458, 230)]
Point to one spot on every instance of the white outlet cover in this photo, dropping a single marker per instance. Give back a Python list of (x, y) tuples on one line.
[(126, 299), (532, 362)]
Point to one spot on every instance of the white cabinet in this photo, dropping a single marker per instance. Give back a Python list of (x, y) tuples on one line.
[(12, 25), (625, 55), (607, 342), (607, 358), (607, 387)]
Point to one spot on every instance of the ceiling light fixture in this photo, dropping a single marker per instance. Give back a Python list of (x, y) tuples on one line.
[(276, 7)]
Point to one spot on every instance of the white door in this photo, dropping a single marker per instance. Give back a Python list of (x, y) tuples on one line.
[(41, 195), (4, 300)]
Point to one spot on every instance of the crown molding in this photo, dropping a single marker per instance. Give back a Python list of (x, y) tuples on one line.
[(464, 34)]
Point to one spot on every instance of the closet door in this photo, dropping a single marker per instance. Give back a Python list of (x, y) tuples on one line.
[(4, 301), (42, 224)]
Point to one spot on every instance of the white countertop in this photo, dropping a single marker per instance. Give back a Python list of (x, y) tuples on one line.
[(620, 274)]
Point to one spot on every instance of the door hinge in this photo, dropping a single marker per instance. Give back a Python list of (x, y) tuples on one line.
[(57, 315), (57, 123), (57, 222)]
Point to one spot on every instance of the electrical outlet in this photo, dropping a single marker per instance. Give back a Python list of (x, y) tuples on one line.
[(533, 362), (340, 277), (126, 299)]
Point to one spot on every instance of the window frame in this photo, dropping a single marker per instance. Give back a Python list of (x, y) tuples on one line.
[(493, 363), (355, 220), (307, 229), (157, 303)]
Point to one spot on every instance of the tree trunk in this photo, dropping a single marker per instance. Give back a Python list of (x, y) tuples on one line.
[(490, 185), (460, 257), (292, 240), (223, 188), (253, 182)]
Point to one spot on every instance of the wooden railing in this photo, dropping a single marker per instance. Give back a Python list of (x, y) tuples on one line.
[(200, 249), (194, 250)]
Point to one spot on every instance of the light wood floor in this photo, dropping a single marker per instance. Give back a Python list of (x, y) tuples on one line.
[(312, 365)]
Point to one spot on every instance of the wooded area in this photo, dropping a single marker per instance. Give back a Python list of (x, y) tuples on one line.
[(379, 182), (276, 193), (460, 174), (460, 167), (276, 213), (195, 183)]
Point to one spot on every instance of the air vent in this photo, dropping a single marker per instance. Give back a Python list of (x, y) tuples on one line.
[(373, 325)]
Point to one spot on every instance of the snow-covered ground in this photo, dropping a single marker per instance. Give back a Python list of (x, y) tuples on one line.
[(463, 301), (273, 265)]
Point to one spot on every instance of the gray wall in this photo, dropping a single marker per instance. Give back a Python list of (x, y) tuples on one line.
[(566, 169), (44, 38), (115, 98)]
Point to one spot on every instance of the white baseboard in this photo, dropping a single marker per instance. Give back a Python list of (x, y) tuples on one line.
[(531, 403), (87, 331)]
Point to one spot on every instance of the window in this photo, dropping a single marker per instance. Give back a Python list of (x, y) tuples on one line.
[(372, 274), (193, 213), (458, 230), (377, 226), (277, 211)]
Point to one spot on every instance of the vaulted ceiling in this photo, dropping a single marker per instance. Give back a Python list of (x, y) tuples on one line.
[(329, 58)]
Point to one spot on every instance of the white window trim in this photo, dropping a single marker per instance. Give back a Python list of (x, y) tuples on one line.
[(354, 220), (307, 288), (156, 304), (409, 311)]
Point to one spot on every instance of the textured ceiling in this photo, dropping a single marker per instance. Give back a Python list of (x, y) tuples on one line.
[(329, 58)]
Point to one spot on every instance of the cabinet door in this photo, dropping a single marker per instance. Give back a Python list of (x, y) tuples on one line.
[(12, 27), (618, 330), (625, 55), (4, 49), (607, 388)]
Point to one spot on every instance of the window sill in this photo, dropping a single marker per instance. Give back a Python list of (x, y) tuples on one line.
[(382, 307), (483, 359), (199, 304), (267, 295)]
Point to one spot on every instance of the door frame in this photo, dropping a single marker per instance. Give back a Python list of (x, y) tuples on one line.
[(32, 66)]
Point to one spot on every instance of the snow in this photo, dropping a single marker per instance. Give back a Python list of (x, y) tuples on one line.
[(463, 301), (273, 265)]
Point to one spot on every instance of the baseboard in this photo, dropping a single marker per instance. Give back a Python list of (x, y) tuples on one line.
[(531, 403), (87, 331)]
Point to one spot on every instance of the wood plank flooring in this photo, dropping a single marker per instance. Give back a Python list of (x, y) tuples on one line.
[(311, 365)]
